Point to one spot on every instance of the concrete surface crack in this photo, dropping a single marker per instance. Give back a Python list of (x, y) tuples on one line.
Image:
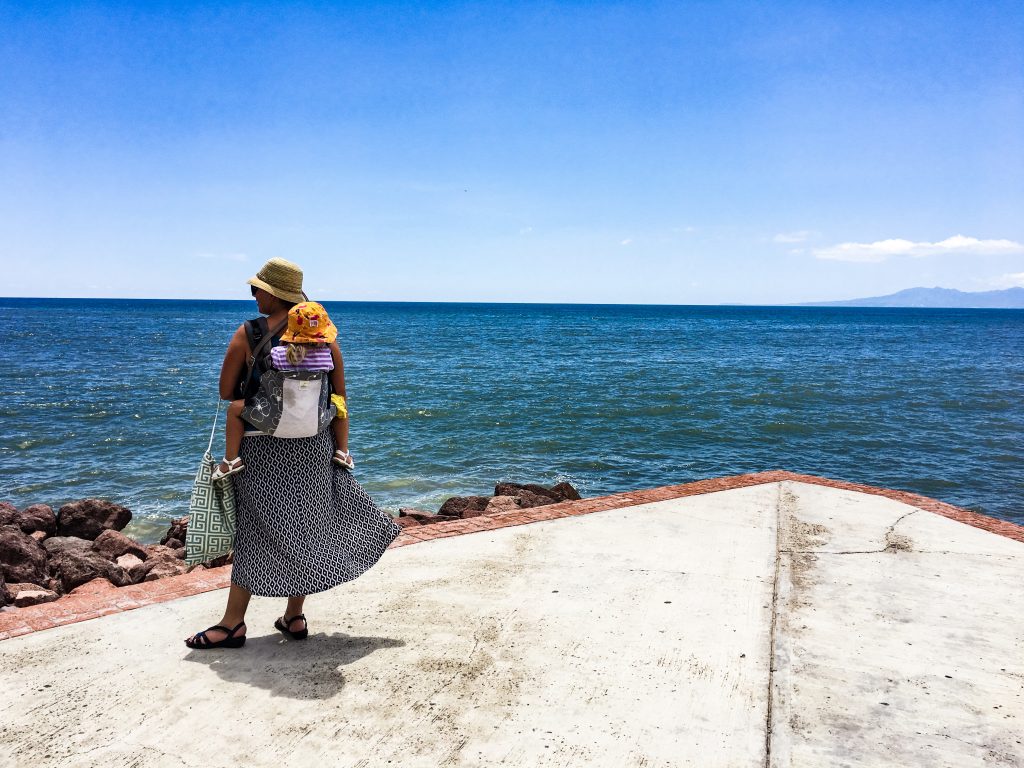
[(896, 542), (833, 552), (455, 675), (772, 631)]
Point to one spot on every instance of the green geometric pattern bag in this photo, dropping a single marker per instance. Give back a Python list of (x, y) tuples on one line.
[(211, 511)]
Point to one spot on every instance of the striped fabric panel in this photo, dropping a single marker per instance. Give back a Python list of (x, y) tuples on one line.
[(317, 359)]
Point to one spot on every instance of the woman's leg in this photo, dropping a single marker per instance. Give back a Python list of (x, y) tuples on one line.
[(238, 603), (293, 609), (234, 614)]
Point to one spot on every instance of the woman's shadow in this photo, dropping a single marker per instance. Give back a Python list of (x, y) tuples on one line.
[(298, 669)]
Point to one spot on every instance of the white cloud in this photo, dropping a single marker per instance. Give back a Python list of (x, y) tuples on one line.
[(792, 237), (882, 250), (1012, 280), (627, 241)]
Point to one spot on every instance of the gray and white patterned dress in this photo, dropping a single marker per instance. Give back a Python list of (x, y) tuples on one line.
[(304, 524)]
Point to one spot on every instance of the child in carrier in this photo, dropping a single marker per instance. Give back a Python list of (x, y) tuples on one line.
[(306, 347)]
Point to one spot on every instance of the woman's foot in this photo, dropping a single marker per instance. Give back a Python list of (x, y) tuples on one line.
[(218, 636), (295, 627), (228, 467)]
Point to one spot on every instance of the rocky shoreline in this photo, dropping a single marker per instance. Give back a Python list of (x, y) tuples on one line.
[(80, 549), (507, 497)]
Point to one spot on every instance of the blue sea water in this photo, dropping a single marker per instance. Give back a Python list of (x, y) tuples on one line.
[(115, 398)]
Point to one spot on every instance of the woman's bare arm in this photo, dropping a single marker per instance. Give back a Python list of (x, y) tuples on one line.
[(234, 363)]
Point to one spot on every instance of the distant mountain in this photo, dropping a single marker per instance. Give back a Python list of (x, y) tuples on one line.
[(947, 298)]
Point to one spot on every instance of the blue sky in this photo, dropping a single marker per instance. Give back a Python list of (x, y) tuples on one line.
[(582, 152)]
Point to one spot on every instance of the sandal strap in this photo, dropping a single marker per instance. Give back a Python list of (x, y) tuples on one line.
[(201, 640)]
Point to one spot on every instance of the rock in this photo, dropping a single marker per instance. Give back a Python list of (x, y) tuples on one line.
[(506, 488), (406, 522), (158, 551), (529, 495), (112, 544), (217, 562), (6, 595), (38, 535), (18, 586), (423, 518), (565, 492), (464, 506), (33, 594), (22, 558), (90, 517), (56, 544), (161, 562), (38, 517), (94, 587), (163, 569), (540, 490), (8, 513), (528, 499), (74, 565), (133, 566), (499, 504), (174, 544), (178, 530), (410, 511), (514, 489)]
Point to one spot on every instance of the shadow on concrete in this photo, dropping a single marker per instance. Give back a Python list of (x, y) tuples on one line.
[(306, 669)]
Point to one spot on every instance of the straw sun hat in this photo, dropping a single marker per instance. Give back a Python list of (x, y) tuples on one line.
[(281, 278)]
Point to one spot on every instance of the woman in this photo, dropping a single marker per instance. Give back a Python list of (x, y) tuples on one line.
[(285, 547)]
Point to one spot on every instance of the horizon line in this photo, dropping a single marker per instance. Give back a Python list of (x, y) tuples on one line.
[(832, 304)]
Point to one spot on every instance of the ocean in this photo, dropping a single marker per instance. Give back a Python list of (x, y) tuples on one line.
[(115, 398)]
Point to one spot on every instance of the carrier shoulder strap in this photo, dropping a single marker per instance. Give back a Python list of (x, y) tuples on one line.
[(254, 331), (259, 336)]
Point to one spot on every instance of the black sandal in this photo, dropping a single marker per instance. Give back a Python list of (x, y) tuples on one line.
[(200, 642), (282, 624)]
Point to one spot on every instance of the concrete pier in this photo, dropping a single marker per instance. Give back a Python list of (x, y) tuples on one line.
[(778, 623)]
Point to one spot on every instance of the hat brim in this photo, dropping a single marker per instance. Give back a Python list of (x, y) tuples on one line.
[(329, 336), (295, 298)]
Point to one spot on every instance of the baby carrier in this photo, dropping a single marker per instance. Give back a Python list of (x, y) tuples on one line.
[(282, 403)]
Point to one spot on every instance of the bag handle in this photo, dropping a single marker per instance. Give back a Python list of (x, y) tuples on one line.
[(213, 431)]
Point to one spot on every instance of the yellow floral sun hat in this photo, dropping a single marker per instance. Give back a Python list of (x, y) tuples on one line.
[(308, 323)]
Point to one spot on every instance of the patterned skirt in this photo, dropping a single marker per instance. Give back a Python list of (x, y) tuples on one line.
[(304, 524)]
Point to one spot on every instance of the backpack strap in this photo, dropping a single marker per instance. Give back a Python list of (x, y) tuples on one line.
[(254, 330), (259, 336)]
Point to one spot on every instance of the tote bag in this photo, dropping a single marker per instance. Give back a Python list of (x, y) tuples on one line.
[(211, 511)]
